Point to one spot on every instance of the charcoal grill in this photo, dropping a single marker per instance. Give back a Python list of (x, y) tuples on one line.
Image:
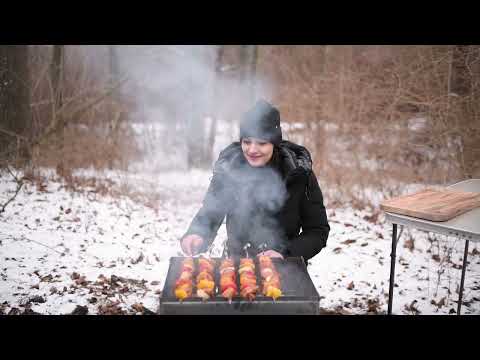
[(299, 294)]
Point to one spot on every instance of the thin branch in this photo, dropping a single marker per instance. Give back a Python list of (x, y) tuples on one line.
[(39, 243), (13, 134), (13, 175), (79, 112), (42, 74), (19, 186), (70, 99)]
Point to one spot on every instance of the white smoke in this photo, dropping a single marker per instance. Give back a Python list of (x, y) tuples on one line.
[(175, 87)]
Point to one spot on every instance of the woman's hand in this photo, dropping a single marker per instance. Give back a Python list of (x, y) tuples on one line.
[(271, 253), (191, 243)]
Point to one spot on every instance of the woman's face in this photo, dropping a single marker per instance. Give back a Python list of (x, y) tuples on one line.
[(257, 152)]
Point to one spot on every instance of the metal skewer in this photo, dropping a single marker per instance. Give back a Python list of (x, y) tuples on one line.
[(263, 247), (245, 248), (226, 252)]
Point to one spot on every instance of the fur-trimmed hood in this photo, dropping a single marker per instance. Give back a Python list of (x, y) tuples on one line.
[(294, 161), (293, 158)]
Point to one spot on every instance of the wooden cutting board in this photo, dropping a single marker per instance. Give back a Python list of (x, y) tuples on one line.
[(433, 205)]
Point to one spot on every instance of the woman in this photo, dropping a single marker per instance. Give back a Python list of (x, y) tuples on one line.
[(267, 190)]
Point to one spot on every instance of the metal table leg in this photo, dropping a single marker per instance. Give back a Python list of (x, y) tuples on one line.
[(460, 295), (392, 268)]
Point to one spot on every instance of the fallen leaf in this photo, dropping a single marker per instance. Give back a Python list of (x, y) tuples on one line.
[(138, 307), (111, 309), (412, 308), (29, 311), (37, 299), (409, 244), (373, 218), (75, 276), (137, 260), (373, 305), (80, 310), (347, 242), (47, 278), (441, 303), (14, 311), (351, 286), (82, 281)]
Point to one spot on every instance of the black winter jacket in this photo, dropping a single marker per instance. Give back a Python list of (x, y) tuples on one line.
[(279, 206)]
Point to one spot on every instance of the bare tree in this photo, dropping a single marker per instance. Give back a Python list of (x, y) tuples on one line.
[(248, 62), (57, 71), (460, 78), (252, 58), (194, 130), (15, 113), (116, 111), (114, 65), (219, 54), (195, 114)]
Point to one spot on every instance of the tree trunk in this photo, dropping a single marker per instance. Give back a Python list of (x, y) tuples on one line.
[(248, 58), (220, 50), (252, 58), (15, 112), (116, 115), (57, 78), (114, 66), (322, 60), (461, 81), (197, 109), (56, 71), (195, 132), (320, 133)]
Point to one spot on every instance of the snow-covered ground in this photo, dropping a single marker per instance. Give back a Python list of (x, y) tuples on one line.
[(64, 252)]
